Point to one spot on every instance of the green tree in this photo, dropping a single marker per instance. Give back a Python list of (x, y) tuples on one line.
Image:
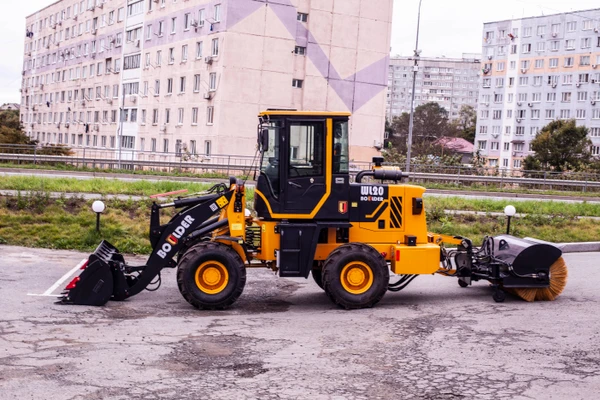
[(10, 128), (466, 123), (560, 146), (430, 123)]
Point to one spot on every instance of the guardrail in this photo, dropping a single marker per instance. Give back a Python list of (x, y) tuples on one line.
[(247, 165)]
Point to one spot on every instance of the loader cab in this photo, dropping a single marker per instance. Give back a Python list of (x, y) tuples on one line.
[(304, 171)]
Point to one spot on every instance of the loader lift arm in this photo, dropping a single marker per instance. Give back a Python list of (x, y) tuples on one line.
[(106, 276)]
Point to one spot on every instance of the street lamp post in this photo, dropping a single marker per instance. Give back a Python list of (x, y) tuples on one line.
[(412, 100)]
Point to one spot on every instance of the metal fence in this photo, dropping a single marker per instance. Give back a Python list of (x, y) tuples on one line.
[(226, 164)]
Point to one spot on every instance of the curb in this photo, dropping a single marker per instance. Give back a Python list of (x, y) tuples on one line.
[(581, 247)]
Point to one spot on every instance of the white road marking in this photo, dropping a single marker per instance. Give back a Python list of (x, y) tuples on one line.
[(60, 281)]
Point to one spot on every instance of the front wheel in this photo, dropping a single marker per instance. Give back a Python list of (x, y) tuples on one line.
[(355, 276), (211, 276)]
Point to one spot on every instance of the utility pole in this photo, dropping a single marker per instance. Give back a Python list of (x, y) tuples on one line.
[(412, 100)]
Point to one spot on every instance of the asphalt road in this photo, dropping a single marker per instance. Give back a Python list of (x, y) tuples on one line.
[(284, 340)]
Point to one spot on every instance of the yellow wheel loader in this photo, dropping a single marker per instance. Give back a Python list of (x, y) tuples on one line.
[(311, 218)]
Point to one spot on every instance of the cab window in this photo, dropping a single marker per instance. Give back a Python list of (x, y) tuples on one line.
[(306, 149)]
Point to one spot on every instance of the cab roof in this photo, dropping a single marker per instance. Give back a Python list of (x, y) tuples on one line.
[(294, 113)]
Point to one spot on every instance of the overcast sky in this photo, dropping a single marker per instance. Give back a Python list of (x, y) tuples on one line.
[(448, 28)]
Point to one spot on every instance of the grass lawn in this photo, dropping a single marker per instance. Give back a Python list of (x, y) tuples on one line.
[(36, 220)]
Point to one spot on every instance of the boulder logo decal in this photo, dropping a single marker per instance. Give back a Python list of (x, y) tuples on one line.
[(343, 207), (174, 237)]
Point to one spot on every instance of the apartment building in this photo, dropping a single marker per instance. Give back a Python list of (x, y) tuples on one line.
[(536, 70), (172, 77), (450, 82)]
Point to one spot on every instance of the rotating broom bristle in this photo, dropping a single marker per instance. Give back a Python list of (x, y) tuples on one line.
[(558, 281)]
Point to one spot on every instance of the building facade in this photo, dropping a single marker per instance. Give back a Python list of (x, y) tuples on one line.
[(450, 82), (174, 76), (536, 70)]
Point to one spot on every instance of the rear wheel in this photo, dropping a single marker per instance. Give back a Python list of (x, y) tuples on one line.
[(211, 276), (355, 276)]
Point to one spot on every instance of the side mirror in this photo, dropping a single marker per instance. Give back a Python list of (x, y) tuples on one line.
[(264, 139)]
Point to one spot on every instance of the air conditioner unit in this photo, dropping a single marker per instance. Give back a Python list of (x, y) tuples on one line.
[(530, 104), (593, 102), (109, 101), (523, 70), (519, 103), (163, 129), (133, 99), (75, 18), (578, 84), (137, 43), (554, 85), (377, 144), (594, 66), (596, 30), (93, 55), (97, 128), (67, 125), (514, 153), (94, 31), (207, 96), (83, 103), (593, 81), (194, 23), (489, 57), (208, 60), (101, 6), (519, 119), (41, 86), (554, 34), (58, 124)]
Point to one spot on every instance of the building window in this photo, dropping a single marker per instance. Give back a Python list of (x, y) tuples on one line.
[(180, 116), (165, 145), (171, 55), (569, 61), (212, 81), (186, 22), (300, 50), (210, 113), (584, 60), (132, 62), (207, 148), (297, 83), (570, 44), (167, 115), (302, 17), (194, 116), (199, 50), (153, 145), (217, 13), (482, 144), (571, 26), (184, 53), (215, 47), (526, 48), (197, 83), (173, 25), (154, 117)]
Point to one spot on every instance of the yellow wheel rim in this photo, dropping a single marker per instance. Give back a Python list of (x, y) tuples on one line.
[(212, 277), (356, 277)]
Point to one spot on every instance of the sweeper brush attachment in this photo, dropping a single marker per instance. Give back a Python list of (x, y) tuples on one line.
[(527, 269)]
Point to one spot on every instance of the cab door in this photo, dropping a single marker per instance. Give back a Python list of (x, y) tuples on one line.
[(303, 179)]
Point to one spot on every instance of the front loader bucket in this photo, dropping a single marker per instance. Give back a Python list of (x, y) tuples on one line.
[(95, 285)]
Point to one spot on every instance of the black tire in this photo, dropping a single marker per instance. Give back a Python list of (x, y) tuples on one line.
[(201, 254), (344, 256), (499, 295), (317, 274), (462, 283)]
